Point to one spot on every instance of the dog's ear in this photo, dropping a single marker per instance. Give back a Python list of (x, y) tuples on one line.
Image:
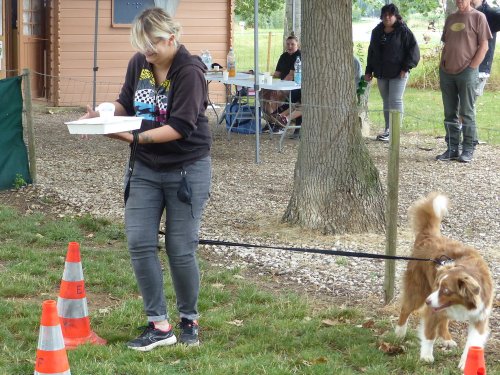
[(469, 288)]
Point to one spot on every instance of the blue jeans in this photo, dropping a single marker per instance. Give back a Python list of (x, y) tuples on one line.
[(152, 192), (459, 97), (391, 91)]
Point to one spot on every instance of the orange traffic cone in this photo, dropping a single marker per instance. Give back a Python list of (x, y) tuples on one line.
[(474, 364), (72, 303), (51, 355)]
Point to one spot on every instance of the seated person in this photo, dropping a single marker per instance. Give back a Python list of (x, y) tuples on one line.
[(285, 115), (272, 99)]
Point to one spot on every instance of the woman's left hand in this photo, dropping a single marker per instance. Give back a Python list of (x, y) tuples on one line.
[(402, 74)]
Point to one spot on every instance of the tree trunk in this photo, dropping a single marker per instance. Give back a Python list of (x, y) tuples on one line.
[(289, 24), (336, 188)]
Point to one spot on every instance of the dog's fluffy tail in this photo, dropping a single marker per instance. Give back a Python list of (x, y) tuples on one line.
[(426, 214)]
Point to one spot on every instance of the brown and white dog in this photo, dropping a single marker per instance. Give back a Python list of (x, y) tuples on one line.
[(459, 289)]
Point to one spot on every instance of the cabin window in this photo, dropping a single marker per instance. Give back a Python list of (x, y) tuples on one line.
[(124, 11), (32, 17)]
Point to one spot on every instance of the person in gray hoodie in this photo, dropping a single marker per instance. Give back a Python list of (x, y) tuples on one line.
[(169, 170)]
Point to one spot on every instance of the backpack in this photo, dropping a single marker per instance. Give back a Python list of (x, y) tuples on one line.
[(240, 115)]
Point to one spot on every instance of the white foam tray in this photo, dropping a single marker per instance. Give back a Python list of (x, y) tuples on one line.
[(98, 125)]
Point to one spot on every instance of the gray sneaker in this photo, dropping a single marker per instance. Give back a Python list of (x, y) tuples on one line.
[(449, 154), (466, 156), (151, 337), (384, 137), (189, 332)]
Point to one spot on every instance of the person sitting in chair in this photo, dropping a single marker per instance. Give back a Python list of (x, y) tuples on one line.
[(286, 116), (273, 99)]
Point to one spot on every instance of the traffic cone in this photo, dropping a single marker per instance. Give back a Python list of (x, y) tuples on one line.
[(72, 303), (474, 364), (51, 355)]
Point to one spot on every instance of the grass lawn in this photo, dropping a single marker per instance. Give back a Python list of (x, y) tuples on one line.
[(246, 328), (424, 113), (268, 53)]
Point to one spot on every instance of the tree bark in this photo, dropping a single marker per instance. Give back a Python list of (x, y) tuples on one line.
[(336, 187)]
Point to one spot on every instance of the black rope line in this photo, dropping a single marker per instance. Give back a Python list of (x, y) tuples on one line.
[(440, 261)]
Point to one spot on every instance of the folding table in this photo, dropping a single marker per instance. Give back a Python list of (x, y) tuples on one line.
[(248, 80)]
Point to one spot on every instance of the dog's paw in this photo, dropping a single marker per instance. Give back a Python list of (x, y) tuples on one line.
[(426, 350), (448, 344), (427, 358), (400, 331)]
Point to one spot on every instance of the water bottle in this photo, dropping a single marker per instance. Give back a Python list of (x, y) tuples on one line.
[(207, 59), (297, 77), (231, 63)]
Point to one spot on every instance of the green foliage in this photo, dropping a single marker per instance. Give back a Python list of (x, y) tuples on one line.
[(426, 75), (360, 90), (19, 182), (405, 7), (244, 9), (357, 11)]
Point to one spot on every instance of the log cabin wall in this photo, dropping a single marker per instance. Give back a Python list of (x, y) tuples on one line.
[(206, 24)]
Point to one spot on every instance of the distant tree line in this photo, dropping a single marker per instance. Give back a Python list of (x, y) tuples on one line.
[(272, 12)]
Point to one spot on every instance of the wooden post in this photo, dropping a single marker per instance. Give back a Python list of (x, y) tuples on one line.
[(269, 44), (29, 123), (392, 204)]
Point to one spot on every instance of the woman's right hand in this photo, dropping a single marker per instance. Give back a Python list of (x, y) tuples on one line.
[(90, 113), (368, 77)]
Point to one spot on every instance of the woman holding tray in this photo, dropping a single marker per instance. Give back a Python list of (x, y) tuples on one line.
[(169, 170)]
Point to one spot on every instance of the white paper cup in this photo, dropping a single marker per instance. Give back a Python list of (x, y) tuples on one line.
[(225, 75), (269, 80), (106, 110), (216, 68)]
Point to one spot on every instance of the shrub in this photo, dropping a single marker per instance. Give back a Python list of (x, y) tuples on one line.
[(426, 74)]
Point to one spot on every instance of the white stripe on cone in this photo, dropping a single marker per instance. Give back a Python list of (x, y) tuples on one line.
[(52, 373), (50, 338), (72, 271), (72, 308)]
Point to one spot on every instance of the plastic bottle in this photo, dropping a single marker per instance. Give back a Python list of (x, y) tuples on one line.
[(297, 77), (206, 57), (231, 63)]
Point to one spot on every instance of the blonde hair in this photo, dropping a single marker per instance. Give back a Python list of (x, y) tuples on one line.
[(150, 24)]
